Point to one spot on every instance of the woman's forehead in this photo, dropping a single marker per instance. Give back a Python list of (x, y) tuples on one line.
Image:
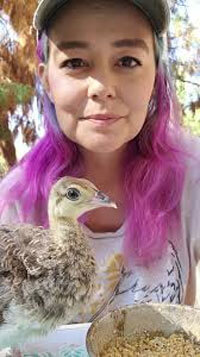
[(94, 5), (78, 19)]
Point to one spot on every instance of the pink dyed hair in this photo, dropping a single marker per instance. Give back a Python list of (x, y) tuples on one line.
[(153, 173)]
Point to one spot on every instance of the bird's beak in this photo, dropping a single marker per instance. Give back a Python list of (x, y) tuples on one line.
[(100, 199)]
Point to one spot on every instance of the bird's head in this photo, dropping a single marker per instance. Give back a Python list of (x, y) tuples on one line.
[(71, 197)]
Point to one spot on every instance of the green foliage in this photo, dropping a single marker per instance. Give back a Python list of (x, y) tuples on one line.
[(12, 94), (192, 121), (3, 166)]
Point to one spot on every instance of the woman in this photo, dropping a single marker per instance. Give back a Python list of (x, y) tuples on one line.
[(111, 116)]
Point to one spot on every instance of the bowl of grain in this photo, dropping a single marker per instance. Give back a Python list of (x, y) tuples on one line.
[(146, 330)]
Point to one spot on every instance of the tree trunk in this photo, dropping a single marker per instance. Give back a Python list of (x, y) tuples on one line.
[(7, 147)]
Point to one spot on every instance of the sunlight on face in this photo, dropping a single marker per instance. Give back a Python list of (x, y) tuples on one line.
[(100, 74)]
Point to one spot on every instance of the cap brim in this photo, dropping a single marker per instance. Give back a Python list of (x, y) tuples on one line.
[(157, 11), (45, 10)]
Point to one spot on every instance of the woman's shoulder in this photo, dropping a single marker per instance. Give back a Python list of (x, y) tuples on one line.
[(10, 211), (191, 145), (191, 192), (13, 175)]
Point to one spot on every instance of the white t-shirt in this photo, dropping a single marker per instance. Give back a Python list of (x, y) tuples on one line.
[(171, 279)]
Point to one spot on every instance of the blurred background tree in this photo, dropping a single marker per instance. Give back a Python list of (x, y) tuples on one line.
[(184, 59), (18, 73), (17, 77)]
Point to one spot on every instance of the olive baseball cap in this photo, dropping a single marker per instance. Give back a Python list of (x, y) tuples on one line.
[(157, 11)]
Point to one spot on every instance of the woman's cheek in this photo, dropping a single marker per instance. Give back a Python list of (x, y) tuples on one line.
[(138, 95), (68, 94)]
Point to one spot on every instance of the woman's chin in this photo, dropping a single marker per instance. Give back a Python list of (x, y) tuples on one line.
[(103, 147)]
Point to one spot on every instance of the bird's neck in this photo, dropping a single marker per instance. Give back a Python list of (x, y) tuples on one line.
[(63, 228)]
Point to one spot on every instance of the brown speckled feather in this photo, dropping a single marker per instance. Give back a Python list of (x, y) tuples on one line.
[(48, 275), (36, 272)]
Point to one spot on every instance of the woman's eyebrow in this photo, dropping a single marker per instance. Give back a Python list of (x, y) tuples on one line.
[(68, 45), (127, 42)]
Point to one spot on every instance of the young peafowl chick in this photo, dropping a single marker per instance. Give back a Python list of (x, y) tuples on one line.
[(47, 275)]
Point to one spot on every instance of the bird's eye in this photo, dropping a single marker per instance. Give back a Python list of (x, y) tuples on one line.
[(73, 194)]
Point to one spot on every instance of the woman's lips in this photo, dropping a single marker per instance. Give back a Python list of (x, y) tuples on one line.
[(103, 122), (105, 116), (102, 119)]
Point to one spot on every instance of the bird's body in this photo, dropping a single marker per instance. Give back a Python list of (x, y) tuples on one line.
[(46, 275)]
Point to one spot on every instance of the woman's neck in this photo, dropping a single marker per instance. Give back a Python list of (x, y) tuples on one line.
[(104, 171)]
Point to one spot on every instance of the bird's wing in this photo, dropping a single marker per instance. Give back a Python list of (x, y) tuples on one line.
[(7, 244), (21, 245), (18, 245)]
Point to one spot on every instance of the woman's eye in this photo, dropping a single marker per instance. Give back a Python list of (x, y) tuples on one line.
[(129, 61), (74, 63)]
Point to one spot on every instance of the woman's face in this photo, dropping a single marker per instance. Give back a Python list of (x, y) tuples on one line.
[(100, 74)]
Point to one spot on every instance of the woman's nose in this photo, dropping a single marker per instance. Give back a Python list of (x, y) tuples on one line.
[(101, 89)]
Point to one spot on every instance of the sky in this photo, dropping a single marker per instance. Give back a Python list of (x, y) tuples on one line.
[(194, 12), (3, 31)]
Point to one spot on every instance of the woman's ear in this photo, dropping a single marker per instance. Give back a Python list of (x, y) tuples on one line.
[(42, 72)]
